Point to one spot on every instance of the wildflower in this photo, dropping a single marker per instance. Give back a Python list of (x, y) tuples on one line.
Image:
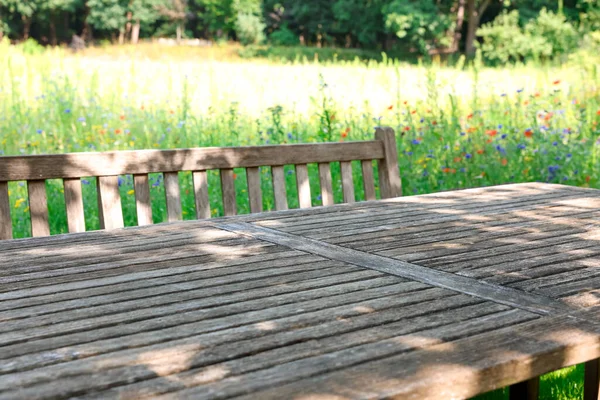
[(290, 136), (142, 107), (390, 107), (503, 136), (519, 90), (521, 146), (407, 128), (463, 133), (468, 156), (120, 181), (528, 133), (81, 119), (556, 82), (68, 111), (587, 179), (446, 170), (457, 159), (598, 112), (234, 176), (526, 102), (480, 151), (130, 192), (415, 141), (433, 122), (554, 143), (85, 181), (547, 116), (122, 117), (39, 131), (504, 161), (470, 116), (19, 202), (117, 131), (491, 132), (503, 95), (415, 111)]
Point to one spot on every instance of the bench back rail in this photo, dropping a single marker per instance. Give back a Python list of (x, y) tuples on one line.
[(107, 166)]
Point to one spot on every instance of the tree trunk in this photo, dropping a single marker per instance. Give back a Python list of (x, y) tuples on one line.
[(179, 32), (121, 36), (86, 32), (474, 18), (53, 40), (135, 32), (460, 19), (26, 25), (128, 24)]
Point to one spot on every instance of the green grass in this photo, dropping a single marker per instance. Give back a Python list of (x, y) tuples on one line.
[(457, 127)]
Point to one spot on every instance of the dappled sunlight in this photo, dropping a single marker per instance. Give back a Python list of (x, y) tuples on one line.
[(266, 326), (168, 361)]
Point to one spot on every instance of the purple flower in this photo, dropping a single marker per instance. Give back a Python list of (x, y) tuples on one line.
[(68, 111), (415, 141)]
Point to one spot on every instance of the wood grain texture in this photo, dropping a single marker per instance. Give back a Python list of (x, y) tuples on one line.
[(77, 165), (74, 205), (254, 189), (173, 196), (347, 182), (526, 390), (110, 202), (534, 303), (389, 178), (279, 190), (5, 219), (142, 199), (200, 179), (326, 186), (368, 179), (38, 208), (228, 191), (592, 380), (303, 183)]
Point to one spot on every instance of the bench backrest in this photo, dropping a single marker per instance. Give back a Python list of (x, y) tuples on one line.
[(107, 166)]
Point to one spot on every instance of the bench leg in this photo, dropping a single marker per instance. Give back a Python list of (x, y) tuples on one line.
[(591, 380), (527, 390)]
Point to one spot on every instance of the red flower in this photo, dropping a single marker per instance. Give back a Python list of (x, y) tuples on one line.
[(491, 132), (556, 82), (122, 117), (390, 107), (504, 161), (117, 131), (598, 112), (528, 133), (457, 159), (587, 179), (433, 122), (407, 128), (480, 151), (469, 116)]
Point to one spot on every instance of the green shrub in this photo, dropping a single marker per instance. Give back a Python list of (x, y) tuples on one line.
[(249, 29), (559, 36), (284, 37), (31, 47)]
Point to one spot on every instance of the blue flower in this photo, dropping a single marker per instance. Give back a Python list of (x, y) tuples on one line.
[(467, 156), (120, 180), (290, 136), (463, 170), (521, 146), (68, 110), (85, 181), (519, 90), (409, 153), (415, 141), (569, 155), (319, 197), (499, 126), (503, 136), (554, 143), (462, 134), (40, 131), (81, 119)]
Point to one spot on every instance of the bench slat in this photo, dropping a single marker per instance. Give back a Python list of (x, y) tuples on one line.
[(74, 205), (347, 182), (173, 196), (38, 208), (142, 199), (389, 174), (368, 180), (303, 186), (326, 187), (200, 179), (77, 165), (109, 202), (254, 189), (5, 220), (228, 189), (591, 381), (279, 188)]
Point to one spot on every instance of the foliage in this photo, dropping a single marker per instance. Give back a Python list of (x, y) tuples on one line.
[(284, 37)]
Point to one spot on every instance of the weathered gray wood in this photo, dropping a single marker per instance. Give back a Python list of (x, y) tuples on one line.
[(228, 191), (389, 178), (173, 196), (592, 380), (326, 187), (527, 390), (200, 179), (5, 219), (110, 202), (515, 298), (279, 190), (347, 182), (303, 186), (368, 179), (77, 165), (100, 207), (38, 208), (254, 189), (74, 205), (142, 199)]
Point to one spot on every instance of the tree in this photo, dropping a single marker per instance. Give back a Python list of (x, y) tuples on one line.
[(24, 10), (108, 16), (51, 9), (176, 11), (475, 9)]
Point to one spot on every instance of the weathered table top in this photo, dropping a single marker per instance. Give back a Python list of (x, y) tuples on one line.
[(436, 296)]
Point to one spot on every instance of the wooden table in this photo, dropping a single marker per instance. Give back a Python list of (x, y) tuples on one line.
[(439, 296)]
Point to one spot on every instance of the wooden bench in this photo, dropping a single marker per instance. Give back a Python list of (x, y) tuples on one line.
[(107, 166)]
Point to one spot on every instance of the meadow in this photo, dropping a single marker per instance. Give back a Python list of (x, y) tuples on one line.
[(457, 127)]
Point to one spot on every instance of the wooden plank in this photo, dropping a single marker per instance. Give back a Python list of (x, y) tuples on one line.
[(503, 295), (200, 179), (526, 390), (592, 380), (110, 202), (254, 189), (173, 196), (228, 190), (142, 199), (77, 165), (304, 199), (38, 208), (5, 219), (74, 205), (279, 187), (100, 207), (326, 187), (368, 179), (347, 182), (389, 174)]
